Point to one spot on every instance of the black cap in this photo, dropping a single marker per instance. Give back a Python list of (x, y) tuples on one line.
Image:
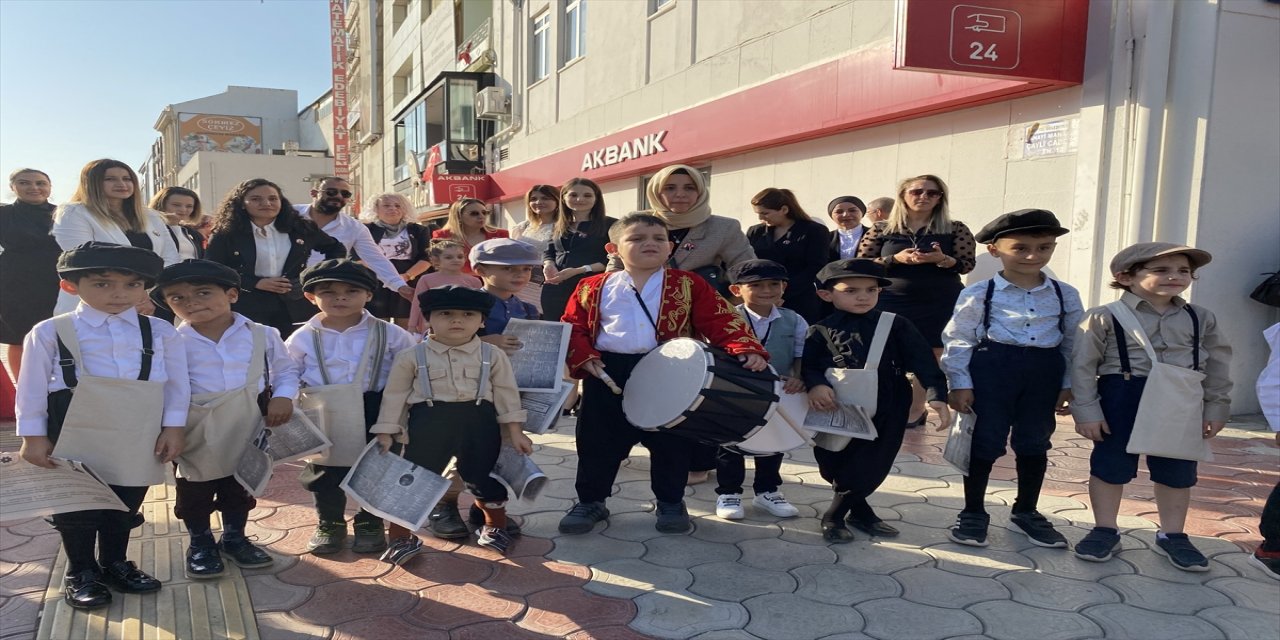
[(455, 297), (756, 270), (339, 270), (1021, 221), (94, 255), (853, 268)]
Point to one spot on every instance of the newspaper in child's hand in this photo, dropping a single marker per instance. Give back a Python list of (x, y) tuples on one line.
[(253, 470), (390, 487), (539, 363), (27, 491), (960, 440), (298, 438), (847, 420), (518, 472), (543, 407)]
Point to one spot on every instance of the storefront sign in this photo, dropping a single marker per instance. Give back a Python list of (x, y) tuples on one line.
[(447, 188), (640, 147), (226, 134), (338, 45), (1037, 40)]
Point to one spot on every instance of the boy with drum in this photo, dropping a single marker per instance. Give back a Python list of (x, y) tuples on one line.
[(617, 318), (760, 284), (845, 339)]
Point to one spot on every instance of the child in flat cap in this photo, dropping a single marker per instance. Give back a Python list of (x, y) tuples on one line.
[(857, 336), (344, 356), (1150, 376), (231, 362), (459, 409), (107, 387), (1006, 352)]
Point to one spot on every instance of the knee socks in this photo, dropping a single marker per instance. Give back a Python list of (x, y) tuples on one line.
[(1031, 471), (975, 485)]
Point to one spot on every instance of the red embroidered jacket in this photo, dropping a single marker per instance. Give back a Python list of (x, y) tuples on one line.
[(690, 309)]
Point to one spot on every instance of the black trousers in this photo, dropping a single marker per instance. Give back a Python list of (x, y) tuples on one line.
[(109, 529), (731, 472), (468, 431), (200, 499), (1014, 389), (324, 480), (604, 440)]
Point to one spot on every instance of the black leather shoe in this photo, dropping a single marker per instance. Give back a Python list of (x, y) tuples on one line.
[(85, 590), (877, 528), (246, 554), (204, 562), (125, 576)]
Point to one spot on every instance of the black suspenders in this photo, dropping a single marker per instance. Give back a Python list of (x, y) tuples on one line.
[(68, 363)]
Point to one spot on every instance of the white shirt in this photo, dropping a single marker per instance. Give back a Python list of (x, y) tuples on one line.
[(624, 326), (760, 327), (354, 235), (272, 247), (221, 366), (110, 347), (849, 239), (342, 351)]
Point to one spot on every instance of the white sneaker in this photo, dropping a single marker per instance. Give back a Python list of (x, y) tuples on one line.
[(776, 504), (729, 506)]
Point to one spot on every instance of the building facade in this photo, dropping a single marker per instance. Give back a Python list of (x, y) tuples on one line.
[(1160, 137)]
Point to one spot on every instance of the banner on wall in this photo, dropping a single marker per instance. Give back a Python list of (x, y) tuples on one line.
[(225, 134)]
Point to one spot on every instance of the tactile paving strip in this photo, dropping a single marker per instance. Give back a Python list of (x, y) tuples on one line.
[(182, 609)]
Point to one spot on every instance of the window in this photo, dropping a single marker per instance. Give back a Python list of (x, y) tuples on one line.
[(540, 47), (575, 30), (657, 5)]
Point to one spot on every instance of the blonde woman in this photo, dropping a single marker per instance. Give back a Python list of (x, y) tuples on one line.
[(541, 217), (107, 207), (468, 223), (403, 243), (181, 209)]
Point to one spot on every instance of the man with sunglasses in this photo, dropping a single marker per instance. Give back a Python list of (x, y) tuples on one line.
[(329, 196)]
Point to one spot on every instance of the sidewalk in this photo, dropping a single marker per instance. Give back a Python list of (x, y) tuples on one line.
[(757, 578)]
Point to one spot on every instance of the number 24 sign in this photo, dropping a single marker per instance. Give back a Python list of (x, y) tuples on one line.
[(985, 37)]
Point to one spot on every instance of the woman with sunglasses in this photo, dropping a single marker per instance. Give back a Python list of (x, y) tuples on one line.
[(468, 223), (925, 252), (541, 213)]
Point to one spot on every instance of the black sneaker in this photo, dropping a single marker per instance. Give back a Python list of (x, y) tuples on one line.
[(446, 522), (125, 576), (1098, 545), (400, 551), (970, 529), (245, 553), (1038, 529), (204, 562), (582, 517), (1181, 553), (493, 538), (369, 537), (673, 518), (1268, 561), (475, 517), (328, 538), (85, 590)]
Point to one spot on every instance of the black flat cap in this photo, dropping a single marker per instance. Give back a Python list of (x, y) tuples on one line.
[(1021, 221), (454, 297), (853, 268), (339, 270), (95, 255), (756, 270)]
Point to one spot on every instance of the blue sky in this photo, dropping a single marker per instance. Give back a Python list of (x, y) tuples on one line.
[(86, 79)]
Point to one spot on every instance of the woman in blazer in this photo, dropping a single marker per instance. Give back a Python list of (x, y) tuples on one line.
[(181, 209), (788, 236), (257, 233)]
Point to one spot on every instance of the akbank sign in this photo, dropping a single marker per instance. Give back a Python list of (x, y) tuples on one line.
[(646, 145)]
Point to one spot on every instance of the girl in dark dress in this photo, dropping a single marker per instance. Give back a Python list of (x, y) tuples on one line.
[(925, 252), (577, 246), (28, 259), (402, 242), (788, 236)]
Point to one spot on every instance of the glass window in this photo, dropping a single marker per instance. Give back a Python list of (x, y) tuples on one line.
[(540, 47), (575, 30)]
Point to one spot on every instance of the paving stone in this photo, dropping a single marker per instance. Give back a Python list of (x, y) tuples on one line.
[(1124, 622), (841, 585), (1065, 565), (636, 527), (879, 557), (1012, 621), (1051, 592), (270, 594), (928, 585), (1162, 595), (277, 625), (559, 612), (385, 628), (788, 616), (1258, 592), (897, 618), (977, 561), (734, 581), (1243, 624), (726, 532), (672, 615), (682, 551), (630, 577), (780, 555), (450, 607)]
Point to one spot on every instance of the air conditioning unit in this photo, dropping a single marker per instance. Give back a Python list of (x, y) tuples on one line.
[(493, 104)]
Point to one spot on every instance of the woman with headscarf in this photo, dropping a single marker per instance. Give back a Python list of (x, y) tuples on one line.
[(789, 237), (28, 261)]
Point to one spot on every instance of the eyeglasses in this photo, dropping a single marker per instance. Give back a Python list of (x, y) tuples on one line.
[(931, 193), (333, 192)]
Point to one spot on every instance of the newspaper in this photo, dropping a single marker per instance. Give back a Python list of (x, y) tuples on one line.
[(253, 470), (298, 438), (960, 440), (518, 472), (539, 364), (847, 420), (544, 407), (27, 491), (393, 488)]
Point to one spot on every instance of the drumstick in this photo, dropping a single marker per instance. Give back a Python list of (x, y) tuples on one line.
[(613, 386)]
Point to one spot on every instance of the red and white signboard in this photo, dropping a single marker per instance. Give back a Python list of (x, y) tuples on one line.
[(1033, 40)]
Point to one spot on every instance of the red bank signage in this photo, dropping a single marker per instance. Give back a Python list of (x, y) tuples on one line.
[(1033, 40)]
